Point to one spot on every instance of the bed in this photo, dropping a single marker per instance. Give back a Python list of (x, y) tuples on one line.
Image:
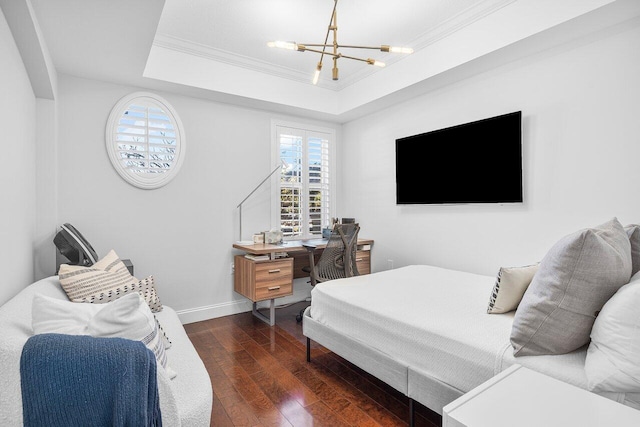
[(425, 331)]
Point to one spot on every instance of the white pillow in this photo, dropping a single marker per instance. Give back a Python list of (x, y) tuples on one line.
[(127, 317), (613, 356), (511, 284), (56, 316)]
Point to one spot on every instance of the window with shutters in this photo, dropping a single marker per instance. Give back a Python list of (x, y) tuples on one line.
[(145, 140), (305, 199)]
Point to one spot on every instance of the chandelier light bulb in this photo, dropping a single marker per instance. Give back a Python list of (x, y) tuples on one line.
[(331, 49), (316, 75), (283, 45), (375, 62), (396, 49)]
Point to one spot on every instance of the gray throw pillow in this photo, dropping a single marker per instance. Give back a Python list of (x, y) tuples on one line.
[(633, 231), (575, 279)]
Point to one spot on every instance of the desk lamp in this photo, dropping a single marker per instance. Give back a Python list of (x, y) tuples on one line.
[(282, 165)]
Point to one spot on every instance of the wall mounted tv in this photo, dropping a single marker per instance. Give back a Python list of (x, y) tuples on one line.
[(477, 162)]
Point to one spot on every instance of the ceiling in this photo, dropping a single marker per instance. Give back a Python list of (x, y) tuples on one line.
[(241, 29), (216, 49)]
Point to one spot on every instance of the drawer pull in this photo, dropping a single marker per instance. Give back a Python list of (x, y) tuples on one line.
[(273, 288), (275, 270), (359, 259)]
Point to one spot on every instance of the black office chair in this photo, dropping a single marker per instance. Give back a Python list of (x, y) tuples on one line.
[(338, 259)]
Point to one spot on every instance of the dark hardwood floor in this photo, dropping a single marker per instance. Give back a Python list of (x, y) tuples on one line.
[(260, 377)]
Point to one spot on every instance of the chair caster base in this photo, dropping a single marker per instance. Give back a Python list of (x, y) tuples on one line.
[(299, 315)]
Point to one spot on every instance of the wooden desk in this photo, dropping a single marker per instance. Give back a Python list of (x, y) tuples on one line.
[(273, 278)]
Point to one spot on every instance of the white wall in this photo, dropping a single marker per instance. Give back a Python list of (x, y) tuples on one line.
[(581, 143), (581, 146), (46, 188), (181, 233), (18, 171)]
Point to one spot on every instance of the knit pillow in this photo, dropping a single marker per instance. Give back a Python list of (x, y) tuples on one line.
[(105, 281)]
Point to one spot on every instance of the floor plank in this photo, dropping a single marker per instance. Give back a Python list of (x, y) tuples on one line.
[(260, 377)]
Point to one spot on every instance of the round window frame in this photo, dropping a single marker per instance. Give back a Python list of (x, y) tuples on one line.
[(147, 181)]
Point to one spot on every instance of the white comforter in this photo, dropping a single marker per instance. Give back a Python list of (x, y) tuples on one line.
[(435, 320)]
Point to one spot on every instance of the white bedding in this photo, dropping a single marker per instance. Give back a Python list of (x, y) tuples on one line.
[(430, 318), (568, 368), (435, 320)]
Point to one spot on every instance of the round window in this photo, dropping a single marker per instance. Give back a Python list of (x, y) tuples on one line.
[(145, 140)]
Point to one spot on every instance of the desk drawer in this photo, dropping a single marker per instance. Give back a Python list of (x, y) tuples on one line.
[(271, 272), (263, 280), (274, 291), (363, 262), (273, 279)]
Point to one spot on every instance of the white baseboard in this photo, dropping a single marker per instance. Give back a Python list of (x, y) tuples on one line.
[(301, 291), (207, 312)]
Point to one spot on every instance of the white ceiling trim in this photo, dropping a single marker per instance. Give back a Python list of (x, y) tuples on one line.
[(220, 55), (499, 29), (458, 22), (433, 35)]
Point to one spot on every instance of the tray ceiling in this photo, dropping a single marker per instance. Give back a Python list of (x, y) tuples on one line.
[(216, 49)]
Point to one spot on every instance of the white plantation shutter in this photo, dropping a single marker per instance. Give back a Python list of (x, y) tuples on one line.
[(305, 203), (291, 183), (145, 140), (319, 202)]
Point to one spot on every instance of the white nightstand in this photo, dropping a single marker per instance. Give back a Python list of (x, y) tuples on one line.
[(521, 397)]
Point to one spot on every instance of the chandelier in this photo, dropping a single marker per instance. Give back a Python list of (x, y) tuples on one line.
[(332, 49)]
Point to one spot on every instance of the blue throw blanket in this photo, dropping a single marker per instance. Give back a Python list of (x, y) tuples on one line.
[(77, 380)]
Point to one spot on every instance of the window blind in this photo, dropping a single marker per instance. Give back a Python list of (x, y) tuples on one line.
[(305, 199)]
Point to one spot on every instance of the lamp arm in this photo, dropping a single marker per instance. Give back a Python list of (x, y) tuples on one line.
[(258, 186), (254, 190)]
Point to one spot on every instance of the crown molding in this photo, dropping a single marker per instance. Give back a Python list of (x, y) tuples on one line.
[(433, 35), (188, 47)]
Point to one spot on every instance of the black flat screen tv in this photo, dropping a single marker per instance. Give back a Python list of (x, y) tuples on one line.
[(477, 162)]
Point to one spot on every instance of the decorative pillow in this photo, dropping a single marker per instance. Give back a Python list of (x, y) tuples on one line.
[(575, 279), (633, 231), (105, 281), (127, 317), (56, 316), (163, 334), (614, 352), (511, 284)]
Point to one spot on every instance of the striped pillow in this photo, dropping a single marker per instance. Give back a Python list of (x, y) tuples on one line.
[(106, 281), (131, 318)]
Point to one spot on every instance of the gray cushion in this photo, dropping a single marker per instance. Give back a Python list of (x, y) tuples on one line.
[(633, 231), (575, 279)]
